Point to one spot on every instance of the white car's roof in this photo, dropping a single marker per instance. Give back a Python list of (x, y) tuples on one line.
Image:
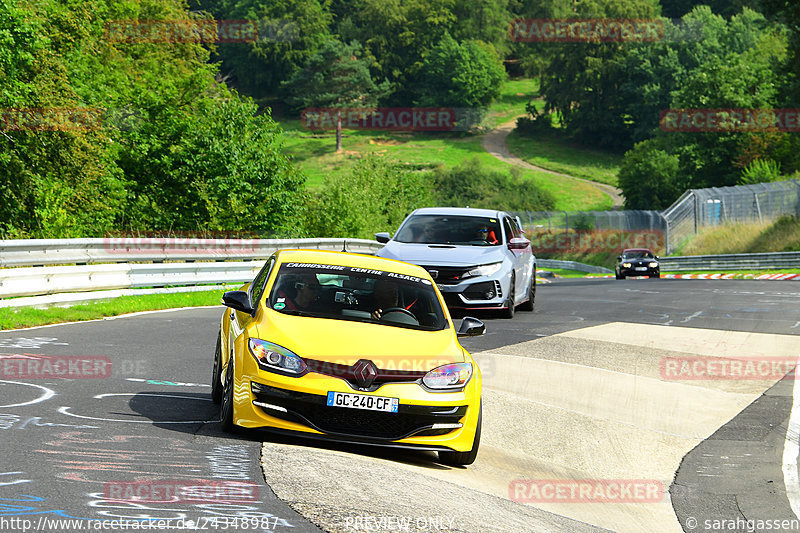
[(461, 211)]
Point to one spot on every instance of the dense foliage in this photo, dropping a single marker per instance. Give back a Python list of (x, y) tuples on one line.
[(168, 136), (376, 195), (160, 145), (727, 56)]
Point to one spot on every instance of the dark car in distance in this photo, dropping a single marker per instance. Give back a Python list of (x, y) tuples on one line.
[(637, 262)]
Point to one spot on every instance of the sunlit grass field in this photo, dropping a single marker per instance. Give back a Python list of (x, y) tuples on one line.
[(314, 153)]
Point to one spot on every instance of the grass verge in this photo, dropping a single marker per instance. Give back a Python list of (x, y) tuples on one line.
[(25, 317), (565, 273), (783, 235), (554, 152)]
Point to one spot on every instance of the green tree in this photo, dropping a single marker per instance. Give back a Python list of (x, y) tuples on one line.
[(335, 77), (483, 20), (157, 117), (289, 32), (582, 81), (650, 178), (760, 171), (396, 34), (467, 74)]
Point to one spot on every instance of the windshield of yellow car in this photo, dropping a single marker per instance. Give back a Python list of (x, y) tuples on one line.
[(356, 294)]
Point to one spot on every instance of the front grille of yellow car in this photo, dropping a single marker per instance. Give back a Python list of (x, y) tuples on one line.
[(352, 375), (312, 410)]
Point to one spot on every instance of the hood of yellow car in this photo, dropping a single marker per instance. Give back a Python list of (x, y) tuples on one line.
[(345, 342)]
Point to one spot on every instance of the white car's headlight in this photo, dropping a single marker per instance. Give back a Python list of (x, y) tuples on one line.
[(452, 376), (485, 270), (275, 357)]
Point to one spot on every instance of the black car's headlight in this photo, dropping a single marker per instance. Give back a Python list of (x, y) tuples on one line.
[(653, 264), (626, 265), (275, 357), (451, 376)]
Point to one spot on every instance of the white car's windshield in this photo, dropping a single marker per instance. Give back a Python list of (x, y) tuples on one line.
[(449, 229), (352, 293)]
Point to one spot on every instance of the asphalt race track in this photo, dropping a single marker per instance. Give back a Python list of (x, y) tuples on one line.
[(603, 392)]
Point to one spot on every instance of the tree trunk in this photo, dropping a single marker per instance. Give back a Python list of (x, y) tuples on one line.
[(338, 131)]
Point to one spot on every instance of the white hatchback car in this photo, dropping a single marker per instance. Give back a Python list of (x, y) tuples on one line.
[(479, 258)]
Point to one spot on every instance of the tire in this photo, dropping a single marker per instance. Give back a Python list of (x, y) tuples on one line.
[(530, 303), (464, 458), (226, 409), (216, 383), (620, 276), (657, 276), (508, 312)]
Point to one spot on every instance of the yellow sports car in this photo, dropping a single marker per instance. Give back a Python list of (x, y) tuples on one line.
[(350, 348)]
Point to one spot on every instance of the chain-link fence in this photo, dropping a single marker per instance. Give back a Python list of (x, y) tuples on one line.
[(591, 220), (698, 208), (695, 209)]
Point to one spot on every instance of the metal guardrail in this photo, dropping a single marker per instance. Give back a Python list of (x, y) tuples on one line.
[(41, 252), (572, 265), (731, 261), (205, 262)]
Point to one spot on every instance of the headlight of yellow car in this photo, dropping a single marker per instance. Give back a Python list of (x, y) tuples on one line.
[(452, 376), (276, 358)]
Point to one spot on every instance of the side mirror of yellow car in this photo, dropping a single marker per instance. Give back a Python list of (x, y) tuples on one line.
[(238, 300)]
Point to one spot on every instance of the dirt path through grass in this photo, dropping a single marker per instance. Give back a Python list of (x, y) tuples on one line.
[(494, 142)]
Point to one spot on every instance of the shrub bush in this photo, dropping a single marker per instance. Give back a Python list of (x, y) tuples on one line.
[(471, 184)]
